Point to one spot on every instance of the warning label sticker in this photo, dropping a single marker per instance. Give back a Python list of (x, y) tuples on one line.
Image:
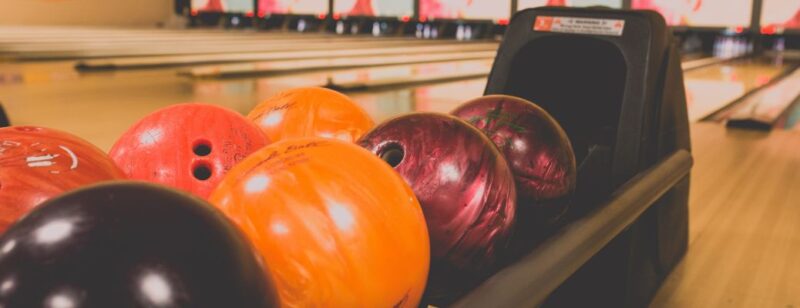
[(597, 26)]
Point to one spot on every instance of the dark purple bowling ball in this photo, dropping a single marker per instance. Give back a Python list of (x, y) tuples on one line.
[(129, 245), (537, 150), (461, 180)]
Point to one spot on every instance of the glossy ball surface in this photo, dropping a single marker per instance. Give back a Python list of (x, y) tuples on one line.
[(311, 112), (338, 227), (188, 146), (129, 244), (536, 148), (37, 164), (462, 181)]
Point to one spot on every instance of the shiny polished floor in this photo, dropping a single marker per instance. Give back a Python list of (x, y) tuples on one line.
[(744, 230), (744, 213), (52, 94), (709, 88)]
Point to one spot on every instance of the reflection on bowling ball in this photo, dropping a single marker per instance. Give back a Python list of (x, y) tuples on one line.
[(128, 244), (311, 112), (537, 150), (187, 146), (337, 226), (464, 185), (37, 164)]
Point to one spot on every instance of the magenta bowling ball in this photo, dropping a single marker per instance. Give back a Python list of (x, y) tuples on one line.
[(537, 150), (464, 185)]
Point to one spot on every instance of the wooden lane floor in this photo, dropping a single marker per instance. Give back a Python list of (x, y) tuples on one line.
[(185, 41), (154, 35), (32, 89), (206, 59), (295, 66), (210, 47), (708, 89), (22, 34), (744, 230), (52, 94), (144, 42), (101, 39), (176, 40)]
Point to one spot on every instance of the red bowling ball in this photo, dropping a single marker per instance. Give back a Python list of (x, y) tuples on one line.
[(464, 185), (537, 150), (37, 164), (188, 146)]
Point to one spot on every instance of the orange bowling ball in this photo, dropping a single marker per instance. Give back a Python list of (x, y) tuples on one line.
[(337, 226), (311, 112)]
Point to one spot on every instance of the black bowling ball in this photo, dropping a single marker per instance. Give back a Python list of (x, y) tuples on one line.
[(129, 245)]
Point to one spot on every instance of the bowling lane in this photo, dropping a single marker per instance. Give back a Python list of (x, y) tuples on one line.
[(177, 42), (295, 66), (766, 105), (173, 45), (744, 235), (710, 88), (52, 94), (790, 93), (70, 34), (22, 42), (19, 35), (208, 59), (92, 50)]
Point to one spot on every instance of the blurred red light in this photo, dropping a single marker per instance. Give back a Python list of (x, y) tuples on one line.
[(322, 16), (768, 30), (194, 13), (249, 14), (337, 16), (405, 18), (502, 22), (762, 80)]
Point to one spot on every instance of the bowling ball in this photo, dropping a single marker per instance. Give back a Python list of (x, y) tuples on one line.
[(37, 164), (187, 146), (337, 226), (129, 244), (311, 112), (462, 181), (537, 150)]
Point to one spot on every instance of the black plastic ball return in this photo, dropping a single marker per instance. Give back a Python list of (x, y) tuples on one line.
[(613, 80)]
